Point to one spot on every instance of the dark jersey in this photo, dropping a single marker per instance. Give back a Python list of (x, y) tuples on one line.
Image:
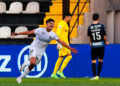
[(96, 32)]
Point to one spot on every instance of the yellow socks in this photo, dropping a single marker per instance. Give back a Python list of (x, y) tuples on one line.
[(57, 65), (65, 62)]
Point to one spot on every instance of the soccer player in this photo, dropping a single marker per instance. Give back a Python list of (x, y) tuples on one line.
[(62, 33), (38, 46), (98, 39)]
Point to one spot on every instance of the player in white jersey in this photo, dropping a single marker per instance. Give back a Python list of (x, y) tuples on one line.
[(38, 46)]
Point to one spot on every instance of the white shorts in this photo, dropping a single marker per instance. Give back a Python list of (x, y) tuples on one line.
[(34, 53)]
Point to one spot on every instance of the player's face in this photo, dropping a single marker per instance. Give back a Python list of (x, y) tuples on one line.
[(69, 18), (50, 25)]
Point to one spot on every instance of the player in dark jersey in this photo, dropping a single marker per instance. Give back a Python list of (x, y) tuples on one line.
[(98, 39)]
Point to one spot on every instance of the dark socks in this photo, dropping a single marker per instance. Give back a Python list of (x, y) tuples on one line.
[(94, 69), (99, 68)]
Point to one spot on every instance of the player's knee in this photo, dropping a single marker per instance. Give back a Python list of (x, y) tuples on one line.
[(33, 61), (69, 56), (93, 61), (100, 60)]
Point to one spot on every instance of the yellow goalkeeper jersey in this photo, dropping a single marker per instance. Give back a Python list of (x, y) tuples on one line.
[(62, 31)]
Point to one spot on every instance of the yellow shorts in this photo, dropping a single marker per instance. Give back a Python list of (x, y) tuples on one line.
[(64, 51)]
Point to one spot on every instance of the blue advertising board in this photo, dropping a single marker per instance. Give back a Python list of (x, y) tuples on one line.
[(12, 57)]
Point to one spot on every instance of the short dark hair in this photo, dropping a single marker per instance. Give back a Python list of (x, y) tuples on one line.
[(67, 14), (49, 20), (95, 16)]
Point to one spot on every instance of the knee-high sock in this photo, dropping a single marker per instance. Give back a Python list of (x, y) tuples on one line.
[(65, 62), (57, 65), (26, 72), (94, 69), (99, 68), (26, 63)]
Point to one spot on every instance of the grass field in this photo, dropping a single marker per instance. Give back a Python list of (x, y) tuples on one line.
[(60, 82)]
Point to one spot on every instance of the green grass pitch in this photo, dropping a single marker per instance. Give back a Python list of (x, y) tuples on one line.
[(60, 82)]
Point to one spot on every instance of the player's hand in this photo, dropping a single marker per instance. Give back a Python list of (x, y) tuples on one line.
[(106, 43), (90, 44), (74, 50)]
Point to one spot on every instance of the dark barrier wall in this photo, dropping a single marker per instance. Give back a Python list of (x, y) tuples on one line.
[(12, 56)]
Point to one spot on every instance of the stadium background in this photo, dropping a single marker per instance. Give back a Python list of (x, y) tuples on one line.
[(80, 66)]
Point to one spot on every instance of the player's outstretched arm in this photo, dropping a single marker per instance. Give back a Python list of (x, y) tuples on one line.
[(64, 44), (23, 33)]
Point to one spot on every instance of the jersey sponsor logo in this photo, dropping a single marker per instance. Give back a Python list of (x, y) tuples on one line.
[(39, 70), (6, 59), (95, 30), (98, 44), (97, 26)]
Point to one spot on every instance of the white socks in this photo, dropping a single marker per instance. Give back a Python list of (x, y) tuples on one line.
[(26, 72), (26, 63)]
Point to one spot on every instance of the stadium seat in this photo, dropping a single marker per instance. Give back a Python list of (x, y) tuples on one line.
[(21, 29), (2, 7), (5, 32), (32, 7), (16, 8)]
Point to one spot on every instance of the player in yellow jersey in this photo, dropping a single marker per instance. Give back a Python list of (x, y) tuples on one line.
[(62, 33)]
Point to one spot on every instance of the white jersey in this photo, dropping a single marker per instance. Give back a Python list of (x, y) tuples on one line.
[(42, 39)]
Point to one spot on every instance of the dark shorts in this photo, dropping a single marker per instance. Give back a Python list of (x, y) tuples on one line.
[(97, 53)]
